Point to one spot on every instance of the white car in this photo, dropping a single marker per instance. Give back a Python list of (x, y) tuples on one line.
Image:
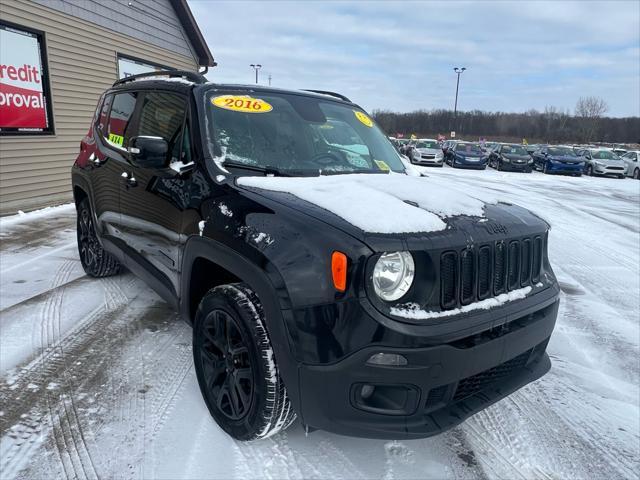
[(601, 161), (426, 151), (632, 159)]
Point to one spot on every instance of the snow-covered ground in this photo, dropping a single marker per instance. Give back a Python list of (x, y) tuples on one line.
[(96, 376)]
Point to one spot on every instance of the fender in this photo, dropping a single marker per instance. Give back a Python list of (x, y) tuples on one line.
[(78, 179), (268, 285)]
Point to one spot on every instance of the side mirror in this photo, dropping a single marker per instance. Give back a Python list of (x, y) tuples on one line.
[(148, 152)]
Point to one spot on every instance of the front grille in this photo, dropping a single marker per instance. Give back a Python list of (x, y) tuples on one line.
[(429, 156), (476, 383), (474, 274), (449, 279), (615, 168)]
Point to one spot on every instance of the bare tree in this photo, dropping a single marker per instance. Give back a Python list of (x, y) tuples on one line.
[(589, 110)]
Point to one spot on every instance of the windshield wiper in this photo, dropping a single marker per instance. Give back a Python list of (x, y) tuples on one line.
[(269, 170)]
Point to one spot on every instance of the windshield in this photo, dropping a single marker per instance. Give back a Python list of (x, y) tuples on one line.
[(468, 148), (514, 150), (564, 151), (293, 134), (427, 144), (603, 155)]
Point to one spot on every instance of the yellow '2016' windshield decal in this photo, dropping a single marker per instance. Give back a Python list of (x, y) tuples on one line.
[(242, 103), (363, 118)]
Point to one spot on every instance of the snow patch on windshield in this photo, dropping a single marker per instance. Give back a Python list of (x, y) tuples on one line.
[(378, 203), (414, 312)]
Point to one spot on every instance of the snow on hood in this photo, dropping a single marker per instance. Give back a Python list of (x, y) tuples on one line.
[(378, 203)]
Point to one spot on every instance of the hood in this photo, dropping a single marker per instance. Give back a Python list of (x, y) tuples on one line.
[(470, 154), (609, 161), (512, 156), (384, 211), (433, 151)]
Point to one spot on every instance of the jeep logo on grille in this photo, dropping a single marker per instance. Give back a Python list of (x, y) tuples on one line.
[(495, 228)]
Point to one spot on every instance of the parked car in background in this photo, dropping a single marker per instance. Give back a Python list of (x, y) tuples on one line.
[(558, 159), (466, 155), (489, 147), (600, 161), (511, 156), (446, 145), (532, 148), (426, 151), (632, 159), (619, 151)]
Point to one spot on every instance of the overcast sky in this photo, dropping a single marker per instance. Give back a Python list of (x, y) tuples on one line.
[(400, 55)]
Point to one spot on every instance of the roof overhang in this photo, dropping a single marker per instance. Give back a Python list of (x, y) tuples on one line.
[(205, 57)]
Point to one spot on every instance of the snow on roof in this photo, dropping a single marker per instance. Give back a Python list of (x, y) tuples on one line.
[(378, 203), (164, 79)]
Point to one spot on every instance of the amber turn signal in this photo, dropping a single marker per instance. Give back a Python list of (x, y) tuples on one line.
[(339, 271)]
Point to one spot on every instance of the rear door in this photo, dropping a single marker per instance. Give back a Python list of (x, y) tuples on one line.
[(152, 200)]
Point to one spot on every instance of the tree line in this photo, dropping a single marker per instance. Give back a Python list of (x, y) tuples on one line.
[(587, 124)]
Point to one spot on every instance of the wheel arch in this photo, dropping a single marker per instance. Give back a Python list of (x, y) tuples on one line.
[(205, 257)]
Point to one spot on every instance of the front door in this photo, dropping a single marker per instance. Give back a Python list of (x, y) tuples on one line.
[(152, 199)]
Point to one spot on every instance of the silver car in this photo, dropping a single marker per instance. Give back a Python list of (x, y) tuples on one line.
[(426, 151), (632, 159), (599, 161)]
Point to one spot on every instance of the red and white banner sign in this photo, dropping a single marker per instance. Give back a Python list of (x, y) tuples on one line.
[(22, 104)]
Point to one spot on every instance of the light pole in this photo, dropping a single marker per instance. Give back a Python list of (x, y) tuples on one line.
[(256, 67), (269, 79), (458, 70)]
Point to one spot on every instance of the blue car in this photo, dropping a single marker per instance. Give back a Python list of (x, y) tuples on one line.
[(550, 159), (466, 155)]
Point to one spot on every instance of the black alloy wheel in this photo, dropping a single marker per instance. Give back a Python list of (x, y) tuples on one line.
[(236, 367), (225, 359), (95, 261)]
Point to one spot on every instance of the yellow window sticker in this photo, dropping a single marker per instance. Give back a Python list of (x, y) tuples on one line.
[(242, 103), (116, 139), (363, 118), (382, 165)]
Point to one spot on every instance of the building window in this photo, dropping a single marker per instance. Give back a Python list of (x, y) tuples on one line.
[(128, 66), (25, 99)]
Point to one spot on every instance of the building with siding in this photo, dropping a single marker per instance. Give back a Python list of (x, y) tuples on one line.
[(56, 58)]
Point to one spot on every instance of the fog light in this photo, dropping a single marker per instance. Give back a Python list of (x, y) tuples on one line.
[(387, 359), (367, 391)]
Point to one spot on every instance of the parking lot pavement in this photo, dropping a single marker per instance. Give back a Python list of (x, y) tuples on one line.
[(96, 377)]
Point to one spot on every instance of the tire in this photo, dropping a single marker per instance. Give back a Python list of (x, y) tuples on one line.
[(499, 165), (236, 368), (545, 168), (95, 260), (590, 171), (636, 174)]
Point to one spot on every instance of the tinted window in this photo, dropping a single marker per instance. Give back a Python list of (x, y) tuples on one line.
[(162, 115), (104, 113), (118, 131)]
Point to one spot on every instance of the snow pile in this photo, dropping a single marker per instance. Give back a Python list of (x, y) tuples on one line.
[(378, 203), (414, 312)]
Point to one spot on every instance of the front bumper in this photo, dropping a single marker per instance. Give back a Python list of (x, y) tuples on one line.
[(605, 170), (439, 388), (427, 161), (516, 167), (479, 165), (559, 167)]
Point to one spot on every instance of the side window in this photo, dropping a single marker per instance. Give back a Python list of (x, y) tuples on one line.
[(103, 116), (118, 130), (163, 115)]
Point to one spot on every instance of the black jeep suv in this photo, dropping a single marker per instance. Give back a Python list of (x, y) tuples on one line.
[(322, 280)]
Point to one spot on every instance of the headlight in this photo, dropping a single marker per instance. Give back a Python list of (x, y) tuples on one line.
[(505, 159), (439, 155), (393, 275), (530, 160)]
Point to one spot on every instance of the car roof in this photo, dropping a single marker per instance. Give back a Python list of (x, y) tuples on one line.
[(185, 85)]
